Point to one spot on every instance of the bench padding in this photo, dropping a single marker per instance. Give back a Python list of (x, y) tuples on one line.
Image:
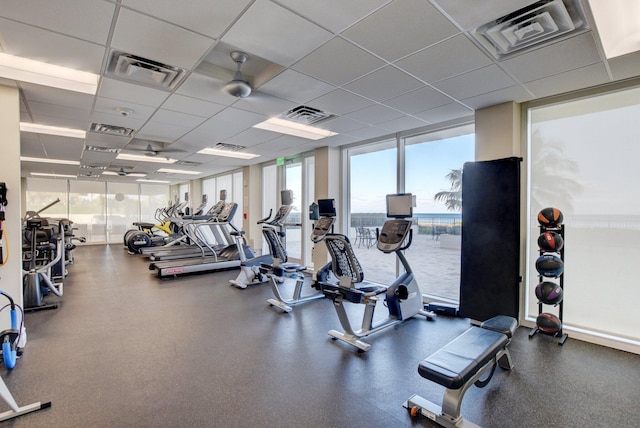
[(458, 361)]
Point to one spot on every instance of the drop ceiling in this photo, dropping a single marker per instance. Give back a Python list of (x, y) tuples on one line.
[(376, 67)]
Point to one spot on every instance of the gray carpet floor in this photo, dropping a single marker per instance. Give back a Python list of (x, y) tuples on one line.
[(125, 349)]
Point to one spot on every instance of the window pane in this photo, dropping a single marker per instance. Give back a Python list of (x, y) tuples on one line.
[(293, 180), (435, 168), (42, 192), (372, 177), (152, 197), (122, 209), (87, 209), (583, 161)]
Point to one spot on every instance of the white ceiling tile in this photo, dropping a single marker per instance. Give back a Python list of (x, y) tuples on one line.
[(335, 15), (383, 84), (208, 17), (264, 104), (478, 12), (338, 62), (156, 40), (275, 33), (481, 81), (52, 48), (251, 137), (403, 123), (340, 102), (176, 118), (569, 81), (295, 87), (48, 95), (85, 19), (163, 132), (63, 147), (375, 114), (419, 100), (444, 113), (448, 58), (128, 92), (76, 122), (575, 52), (341, 125), (106, 140), (369, 132), (196, 107), (400, 28), (109, 106), (205, 88), (514, 93), (54, 112)]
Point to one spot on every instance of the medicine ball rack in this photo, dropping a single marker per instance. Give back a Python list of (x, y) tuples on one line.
[(563, 336)]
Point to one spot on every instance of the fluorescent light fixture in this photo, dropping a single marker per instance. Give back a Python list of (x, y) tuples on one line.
[(44, 160), (43, 174), (52, 130), (618, 25), (128, 174), (143, 158), (293, 128), (227, 153), (144, 180), (178, 171), (41, 73)]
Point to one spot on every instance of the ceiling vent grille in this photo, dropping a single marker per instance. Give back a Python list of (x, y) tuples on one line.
[(229, 147), (187, 163), (306, 115), (534, 25), (101, 149), (92, 166), (120, 131), (133, 68)]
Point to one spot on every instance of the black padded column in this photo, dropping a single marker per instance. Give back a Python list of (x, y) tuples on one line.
[(489, 276)]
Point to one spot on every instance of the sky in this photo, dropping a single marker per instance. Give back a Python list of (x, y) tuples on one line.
[(373, 174)]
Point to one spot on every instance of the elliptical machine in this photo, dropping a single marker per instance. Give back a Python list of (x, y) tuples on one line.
[(324, 213), (253, 271), (36, 277), (402, 297)]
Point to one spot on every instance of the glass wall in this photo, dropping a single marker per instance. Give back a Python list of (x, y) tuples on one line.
[(293, 182), (232, 183), (122, 209), (87, 209), (429, 166), (101, 211), (372, 175), (582, 160), (433, 173)]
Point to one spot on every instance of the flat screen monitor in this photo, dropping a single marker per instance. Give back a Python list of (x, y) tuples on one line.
[(326, 207), (286, 197), (400, 205)]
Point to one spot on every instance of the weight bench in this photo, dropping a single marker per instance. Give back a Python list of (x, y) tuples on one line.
[(461, 364)]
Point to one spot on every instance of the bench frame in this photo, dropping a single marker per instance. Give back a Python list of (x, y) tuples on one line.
[(448, 415)]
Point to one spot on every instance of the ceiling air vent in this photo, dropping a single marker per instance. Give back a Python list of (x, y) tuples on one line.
[(187, 163), (133, 68), (100, 149), (534, 25), (120, 131), (228, 147), (93, 166), (306, 115)]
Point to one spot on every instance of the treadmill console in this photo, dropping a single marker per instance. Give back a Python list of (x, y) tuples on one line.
[(393, 234)]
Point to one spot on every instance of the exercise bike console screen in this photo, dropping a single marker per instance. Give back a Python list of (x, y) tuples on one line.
[(400, 205), (326, 207), (393, 234)]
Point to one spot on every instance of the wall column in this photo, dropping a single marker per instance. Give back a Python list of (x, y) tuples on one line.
[(11, 272), (498, 132), (327, 186)]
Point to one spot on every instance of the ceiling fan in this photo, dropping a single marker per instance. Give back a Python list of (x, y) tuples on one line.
[(123, 173), (150, 149), (239, 86)]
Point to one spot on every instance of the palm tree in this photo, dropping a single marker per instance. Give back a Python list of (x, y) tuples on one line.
[(452, 198)]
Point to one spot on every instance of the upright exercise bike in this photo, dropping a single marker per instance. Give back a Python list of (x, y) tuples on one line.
[(402, 297)]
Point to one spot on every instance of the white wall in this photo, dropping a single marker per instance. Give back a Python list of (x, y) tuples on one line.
[(11, 273)]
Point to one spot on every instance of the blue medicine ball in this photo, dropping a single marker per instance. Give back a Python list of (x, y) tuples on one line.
[(550, 265)]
